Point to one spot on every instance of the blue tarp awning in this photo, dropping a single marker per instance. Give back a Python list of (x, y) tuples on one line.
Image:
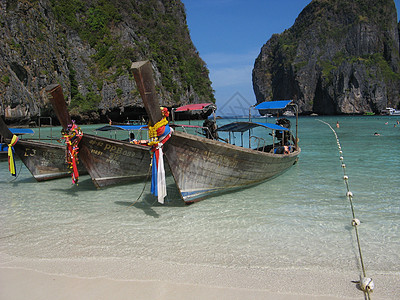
[(20, 131), (244, 126), (280, 104), (121, 127)]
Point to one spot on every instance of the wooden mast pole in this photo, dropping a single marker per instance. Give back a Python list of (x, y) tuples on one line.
[(57, 100), (5, 131), (143, 73)]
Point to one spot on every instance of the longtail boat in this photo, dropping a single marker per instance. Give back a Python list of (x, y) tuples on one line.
[(44, 160), (203, 166), (108, 161)]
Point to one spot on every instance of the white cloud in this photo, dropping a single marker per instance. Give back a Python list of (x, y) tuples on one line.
[(231, 76), (230, 69), (215, 59)]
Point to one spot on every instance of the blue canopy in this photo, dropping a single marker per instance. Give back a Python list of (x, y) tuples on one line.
[(20, 131), (121, 127), (280, 104), (244, 126)]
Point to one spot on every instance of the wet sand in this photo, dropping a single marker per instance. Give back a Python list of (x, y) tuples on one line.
[(78, 279)]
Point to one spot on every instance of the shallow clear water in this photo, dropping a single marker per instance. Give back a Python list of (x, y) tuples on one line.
[(300, 219)]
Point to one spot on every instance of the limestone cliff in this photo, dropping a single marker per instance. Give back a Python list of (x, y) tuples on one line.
[(88, 47), (339, 57)]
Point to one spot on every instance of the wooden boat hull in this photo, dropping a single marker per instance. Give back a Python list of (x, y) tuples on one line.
[(45, 161), (108, 161), (111, 161), (202, 167)]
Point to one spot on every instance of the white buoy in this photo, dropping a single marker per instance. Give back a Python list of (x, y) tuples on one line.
[(355, 222), (349, 194), (367, 284), (341, 158), (345, 177), (343, 166)]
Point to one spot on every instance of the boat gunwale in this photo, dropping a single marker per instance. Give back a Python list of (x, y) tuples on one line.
[(117, 142), (39, 143), (214, 143)]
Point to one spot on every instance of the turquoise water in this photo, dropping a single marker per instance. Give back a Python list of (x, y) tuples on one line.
[(298, 220)]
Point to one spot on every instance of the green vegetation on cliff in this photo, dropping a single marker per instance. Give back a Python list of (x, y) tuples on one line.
[(340, 56), (87, 46), (161, 37)]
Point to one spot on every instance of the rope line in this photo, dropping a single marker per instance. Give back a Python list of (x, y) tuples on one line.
[(144, 187), (366, 284)]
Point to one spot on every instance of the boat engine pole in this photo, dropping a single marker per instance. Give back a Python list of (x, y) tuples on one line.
[(143, 73)]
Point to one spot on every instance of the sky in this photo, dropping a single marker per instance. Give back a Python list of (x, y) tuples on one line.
[(229, 35)]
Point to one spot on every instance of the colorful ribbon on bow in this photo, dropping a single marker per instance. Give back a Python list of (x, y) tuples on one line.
[(72, 137), (157, 131), (159, 134), (11, 161)]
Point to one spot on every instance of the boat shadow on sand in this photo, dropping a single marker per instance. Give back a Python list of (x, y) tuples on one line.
[(15, 181), (144, 205), (76, 189), (147, 200)]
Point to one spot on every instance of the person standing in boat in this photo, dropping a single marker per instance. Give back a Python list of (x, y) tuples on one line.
[(132, 139)]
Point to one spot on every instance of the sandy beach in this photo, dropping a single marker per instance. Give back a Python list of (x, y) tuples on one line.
[(44, 286), (119, 279)]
